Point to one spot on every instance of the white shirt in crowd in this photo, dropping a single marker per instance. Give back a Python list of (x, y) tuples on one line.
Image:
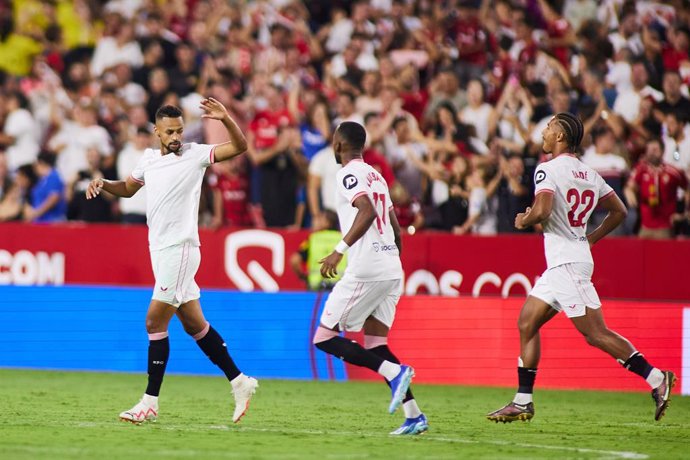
[(20, 124), (108, 54), (606, 164), (486, 208), (127, 160), (576, 190), (173, 188), (324, 166), (479, 118), (374, 257), (677, 154), (627, 104), (72, 142)]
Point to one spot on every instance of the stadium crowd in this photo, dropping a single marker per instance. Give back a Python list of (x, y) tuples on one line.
[(454, 95)]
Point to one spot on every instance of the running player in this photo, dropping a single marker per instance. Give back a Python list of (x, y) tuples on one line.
[(566, 193), (173, 176), (369, 290)]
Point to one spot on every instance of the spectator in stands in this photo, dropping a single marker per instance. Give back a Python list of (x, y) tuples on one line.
[(17, 194), (482, 216), (122, 48), (514, 194), (99, 209), (677, 141), (20, 136), (402, 150), (674, 100), (477, 113), (133, 210), (613, 169), (74, 138), (47, 202), (653, 188), (408, 210), (445, 87), (321, 182), (230, 184), (305, 262)]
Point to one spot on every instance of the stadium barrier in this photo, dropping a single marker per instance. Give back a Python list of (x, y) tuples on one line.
[(448, 340), (256, 260)]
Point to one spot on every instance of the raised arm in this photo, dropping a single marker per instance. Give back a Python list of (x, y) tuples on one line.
[(237, 143)]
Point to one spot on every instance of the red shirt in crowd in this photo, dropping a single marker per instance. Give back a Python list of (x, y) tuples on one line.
[(658, 188), (555, 30), (234, 191), (377, 161), (672, 58), (266, 125), (469, 33)]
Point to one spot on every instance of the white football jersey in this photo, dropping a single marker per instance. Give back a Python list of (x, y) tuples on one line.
[(374, 257), (173, 188), (576, 190)]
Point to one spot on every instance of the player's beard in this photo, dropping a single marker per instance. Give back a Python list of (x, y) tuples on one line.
[(174, 147)]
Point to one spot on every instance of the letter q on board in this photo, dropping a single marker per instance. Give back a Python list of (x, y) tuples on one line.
[(349, 181)]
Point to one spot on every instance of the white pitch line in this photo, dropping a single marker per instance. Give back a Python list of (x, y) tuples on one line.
[(605, 454)]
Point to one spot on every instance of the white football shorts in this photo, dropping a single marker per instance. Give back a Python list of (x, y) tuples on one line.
[(351, 302), (174, 268), (568, 288)]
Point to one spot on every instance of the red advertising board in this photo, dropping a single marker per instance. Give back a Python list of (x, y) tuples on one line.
[(252, 259), (476, 342)]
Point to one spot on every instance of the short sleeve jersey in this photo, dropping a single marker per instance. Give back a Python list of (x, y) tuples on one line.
[(375, 256), (173, 188), (576, 190)]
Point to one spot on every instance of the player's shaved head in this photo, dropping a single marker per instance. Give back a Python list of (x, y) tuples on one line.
[(352, 134)]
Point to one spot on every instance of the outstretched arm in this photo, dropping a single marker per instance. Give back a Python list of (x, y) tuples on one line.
[(237, 143), (122, 188)]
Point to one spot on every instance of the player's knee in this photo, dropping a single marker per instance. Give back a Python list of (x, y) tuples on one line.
[(153, 326), (322, 335), (525, 326)]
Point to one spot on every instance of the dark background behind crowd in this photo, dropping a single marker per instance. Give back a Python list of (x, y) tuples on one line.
[(454, 95)]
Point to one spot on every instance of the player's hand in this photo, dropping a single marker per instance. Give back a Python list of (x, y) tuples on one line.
[(94, 188), (520, 217), (213, 109), (329, 265)]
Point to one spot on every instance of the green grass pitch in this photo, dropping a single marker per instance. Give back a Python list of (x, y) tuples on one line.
[(73, 415)]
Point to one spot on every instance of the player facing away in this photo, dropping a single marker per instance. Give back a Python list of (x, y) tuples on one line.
[(173, 176), (566, 193), (369, 290)]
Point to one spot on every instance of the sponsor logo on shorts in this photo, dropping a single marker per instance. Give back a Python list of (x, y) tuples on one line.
[(384, 247), (163, 289)]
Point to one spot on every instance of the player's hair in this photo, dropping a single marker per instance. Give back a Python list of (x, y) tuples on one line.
[(572, 127), (353, 134), (168, 111)]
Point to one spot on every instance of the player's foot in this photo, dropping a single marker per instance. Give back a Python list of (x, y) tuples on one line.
[(145, 410), (399, 386), (512, 412), (243, 392), (662, 394), (412, 426)]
